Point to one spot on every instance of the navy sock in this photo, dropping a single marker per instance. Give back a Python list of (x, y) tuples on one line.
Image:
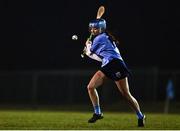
[(97, 109), (139, 115)]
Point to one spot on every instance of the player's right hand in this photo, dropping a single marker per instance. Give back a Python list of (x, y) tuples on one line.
[(88, 42)]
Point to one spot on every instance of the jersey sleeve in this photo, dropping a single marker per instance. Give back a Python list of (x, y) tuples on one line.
[(90, 54), (98, 45)]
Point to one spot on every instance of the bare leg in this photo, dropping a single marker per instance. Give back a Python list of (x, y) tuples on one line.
[(124, 89), (95, 82), (123, 86)]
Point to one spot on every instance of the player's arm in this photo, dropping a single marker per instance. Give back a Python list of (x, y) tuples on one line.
[(89, 53)]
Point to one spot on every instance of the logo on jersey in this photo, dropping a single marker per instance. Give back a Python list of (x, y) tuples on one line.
[(118, 74)]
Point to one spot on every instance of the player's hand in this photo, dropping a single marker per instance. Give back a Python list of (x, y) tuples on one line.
[(88, 42)]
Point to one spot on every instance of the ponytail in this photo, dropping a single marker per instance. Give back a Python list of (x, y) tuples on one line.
[(112, 38)]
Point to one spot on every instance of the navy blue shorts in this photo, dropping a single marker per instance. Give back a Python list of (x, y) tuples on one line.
[(115, 70)]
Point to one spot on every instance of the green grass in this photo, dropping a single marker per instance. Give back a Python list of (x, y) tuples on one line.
[(61, 120)]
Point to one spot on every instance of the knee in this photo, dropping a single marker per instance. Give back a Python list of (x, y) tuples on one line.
[(126, 94), (90, 88)]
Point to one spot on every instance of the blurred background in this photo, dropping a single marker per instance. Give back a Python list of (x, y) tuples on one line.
[(41, 65)]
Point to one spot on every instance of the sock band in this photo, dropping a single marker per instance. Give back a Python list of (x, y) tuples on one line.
[(97, 109), (139, 115)]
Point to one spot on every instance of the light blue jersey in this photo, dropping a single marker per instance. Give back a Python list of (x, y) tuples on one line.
[(105, 49)]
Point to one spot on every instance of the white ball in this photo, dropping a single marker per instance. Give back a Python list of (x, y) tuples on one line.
[(74, 37)]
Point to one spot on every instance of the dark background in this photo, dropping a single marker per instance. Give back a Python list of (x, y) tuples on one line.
[(41, 64), (37, 34)]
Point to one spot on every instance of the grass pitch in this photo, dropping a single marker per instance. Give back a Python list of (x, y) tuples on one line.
[(61, 120)]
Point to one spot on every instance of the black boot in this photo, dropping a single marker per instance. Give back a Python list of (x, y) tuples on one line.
[(95, 117), (141, 122)]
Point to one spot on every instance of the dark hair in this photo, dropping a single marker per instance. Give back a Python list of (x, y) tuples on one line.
[(112, 37)]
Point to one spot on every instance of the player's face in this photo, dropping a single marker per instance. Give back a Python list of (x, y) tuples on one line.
[(94, 31)]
